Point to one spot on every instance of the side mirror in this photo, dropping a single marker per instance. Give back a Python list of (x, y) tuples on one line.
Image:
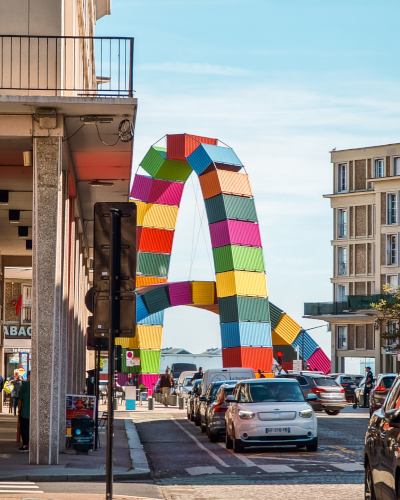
[(393, 416), (311, 397), (230, 399)]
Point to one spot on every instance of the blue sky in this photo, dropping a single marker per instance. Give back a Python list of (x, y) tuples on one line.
[(282, 83)]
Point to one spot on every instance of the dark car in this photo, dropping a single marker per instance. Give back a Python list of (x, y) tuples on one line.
[(190, 401), (178, 368), (382, 442), (215, 416), (380, 390), (349, 384), (330, 395), (206, 400)]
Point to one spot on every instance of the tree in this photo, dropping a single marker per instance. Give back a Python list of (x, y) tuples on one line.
[(102, 363), (389, 319)]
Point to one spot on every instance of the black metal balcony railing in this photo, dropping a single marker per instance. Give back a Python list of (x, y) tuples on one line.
[(319, 308), (66, 65)]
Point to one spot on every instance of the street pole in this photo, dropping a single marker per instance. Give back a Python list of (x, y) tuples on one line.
[(96, 393), (112, 328), (303, 331)]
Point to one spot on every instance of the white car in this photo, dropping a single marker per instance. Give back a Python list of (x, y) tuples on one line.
[(270, 412)]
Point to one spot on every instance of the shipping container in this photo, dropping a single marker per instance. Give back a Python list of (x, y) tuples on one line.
[(239, 308), (319, 361), (138, 236), (147, 337), (222, 181), (141, 209), (153, 319), (180, 294), (225, 206), (148, 381), (125, 343), (205, 155), (310, 346), (232, 257), (128, 369), (148, 280), (141, 311), (159, 216), (166, 192), (158, 166), (248, 357), (149, 361), (141, 187), (156, 299), (211, 307), (180, 146), (235, 232), (156, 240), (203, 292), (241, 283), (246, 333), (153, 264), (286, 330), (275, 313)]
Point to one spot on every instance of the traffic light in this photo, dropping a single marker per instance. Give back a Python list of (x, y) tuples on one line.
[(279, 355)]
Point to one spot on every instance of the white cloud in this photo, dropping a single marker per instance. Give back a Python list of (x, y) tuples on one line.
[(195, 68)]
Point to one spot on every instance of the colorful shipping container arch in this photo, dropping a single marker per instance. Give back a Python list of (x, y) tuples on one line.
[(240, 293)]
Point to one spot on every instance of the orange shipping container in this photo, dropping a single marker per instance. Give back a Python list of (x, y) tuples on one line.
[(179, 146), (156, 240), (148, 280), (223, 181)]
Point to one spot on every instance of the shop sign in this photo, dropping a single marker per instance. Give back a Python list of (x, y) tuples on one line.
[(17, 331), (79, 405), (9, 350)]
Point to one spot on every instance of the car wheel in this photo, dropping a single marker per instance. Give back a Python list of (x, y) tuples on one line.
[(196, 420), (369, 490), (191, 417), (313, 446), (237, 445), (203, 427), (332, 412), (214, 438), (228, 441)]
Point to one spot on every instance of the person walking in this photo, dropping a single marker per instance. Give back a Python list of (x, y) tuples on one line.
[(368, 386), (198, 375), (25, 398), (261, 375), (1, 383), (166, 384), (17, 383)]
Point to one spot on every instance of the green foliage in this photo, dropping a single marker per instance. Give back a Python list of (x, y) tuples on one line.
[(102, 363), (389, 315), (142, 387)]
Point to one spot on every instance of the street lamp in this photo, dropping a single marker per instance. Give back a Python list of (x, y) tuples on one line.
[(302, 331)]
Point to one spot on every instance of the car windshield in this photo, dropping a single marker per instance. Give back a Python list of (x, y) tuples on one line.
[(274, 392), (325, 381), (351, 380), (387, 382), (187, 382)]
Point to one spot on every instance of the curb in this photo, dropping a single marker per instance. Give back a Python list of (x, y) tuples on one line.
[(63, 476), (136, 452)]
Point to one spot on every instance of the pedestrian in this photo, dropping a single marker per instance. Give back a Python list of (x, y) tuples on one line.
[(17, 383), (24, 413), (260, 373), (198, 375), (1, 383), (166, 384), (368, 386)]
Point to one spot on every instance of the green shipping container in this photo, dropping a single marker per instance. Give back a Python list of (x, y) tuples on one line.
[(237, 257), (237, 308), (149, 361), (156, 299), (275, 313), (156, 164), (153, 264), (226, 206)]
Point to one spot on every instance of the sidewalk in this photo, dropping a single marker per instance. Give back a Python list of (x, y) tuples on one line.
[(130, 462)]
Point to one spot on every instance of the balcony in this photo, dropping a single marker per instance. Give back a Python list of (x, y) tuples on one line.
[(357, 302), (324, 308), (66, 66)]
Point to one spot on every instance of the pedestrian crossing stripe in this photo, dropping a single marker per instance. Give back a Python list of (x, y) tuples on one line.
[(18, 487)]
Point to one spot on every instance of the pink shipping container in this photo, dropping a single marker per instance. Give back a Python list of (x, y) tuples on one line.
[(166, 192), (141, 187), (179, 294), (319, 361), (235, 232), (180, 146), (149, 381)]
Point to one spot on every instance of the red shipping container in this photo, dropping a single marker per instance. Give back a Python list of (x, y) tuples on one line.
[(180, 146), (156, 240), (287, 365), (138, 236), (165, 192), (248, 357)]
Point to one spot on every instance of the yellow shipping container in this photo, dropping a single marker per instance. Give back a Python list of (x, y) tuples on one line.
[(286, 331), (160, 216), (142, 208), (148, 337), (203, 292), (241, 283), (126, 343)]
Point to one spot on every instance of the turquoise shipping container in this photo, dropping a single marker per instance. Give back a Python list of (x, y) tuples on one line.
[(153, 264), (237, 308), (240, 258), (225, 206), (156, 299), (275, 313), (154, 319), (246, 334), (310, 346), (206, 154)]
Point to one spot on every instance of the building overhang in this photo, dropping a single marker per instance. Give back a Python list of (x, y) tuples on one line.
[(344, 319)]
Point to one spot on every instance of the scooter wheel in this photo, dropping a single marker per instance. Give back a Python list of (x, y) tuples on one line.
[(355, 406)]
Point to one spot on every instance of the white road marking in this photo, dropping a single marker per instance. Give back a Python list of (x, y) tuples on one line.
[(276, 468), (17, 482), (22, 486), (213, 455), (197, 471), (244, 459), (18, 487), (348, 466)]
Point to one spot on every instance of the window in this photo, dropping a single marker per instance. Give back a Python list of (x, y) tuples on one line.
[(379, 168), (342, 177), (342, 223), (396, 166), (392, 401), (392, 327), (342, 261), (391, 250), (302, 380), (392, 208), (392, 280), (274, 392), (341, 293), (342, 337)]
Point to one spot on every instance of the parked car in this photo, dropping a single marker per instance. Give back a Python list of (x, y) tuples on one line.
[(215, 416), (178, 368), (270, 412), (224, 375), (185, 388), (207, 400), (330, 395), (349, 384), (193, 394), (380, 390), (184, 380), (382, 442)]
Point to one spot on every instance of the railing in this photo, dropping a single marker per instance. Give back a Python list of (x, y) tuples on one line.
[(66, 66), (319, 308), (365, 301)]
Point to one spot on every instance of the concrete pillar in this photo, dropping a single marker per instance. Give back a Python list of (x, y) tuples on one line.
[(47, 258), (71, 311), (2, 370)]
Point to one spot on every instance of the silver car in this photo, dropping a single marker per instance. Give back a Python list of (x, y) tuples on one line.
[(215, 413)]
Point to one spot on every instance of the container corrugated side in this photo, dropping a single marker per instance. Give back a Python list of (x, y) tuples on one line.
[(230, 257), (149, 280), (128, 369), (166, 192), (206, 154), (287, 330), (149, 361), (125, 343), (141, 311), (153, 264), (156, 299), (238, 308), (203, 292), (141, 187), (180, 146), (160, 216), (153, 160), (138, 236), (310, 346), (180, 294), (241, 283), (153, 319), (235, 232), (319, 361), (223, 181), (141, 208), (148, 337), (224, 206), (248, 357), (156, 240), (246, 333), (275, 313), (172, 170), (149, 381)]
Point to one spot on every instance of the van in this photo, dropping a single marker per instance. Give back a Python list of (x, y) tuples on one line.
[(178, 368), (219, 374)]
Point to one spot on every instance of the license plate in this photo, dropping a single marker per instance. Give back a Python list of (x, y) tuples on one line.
[(277, 430)]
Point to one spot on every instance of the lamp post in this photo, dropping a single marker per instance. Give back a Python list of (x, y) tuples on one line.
[(302, 331)]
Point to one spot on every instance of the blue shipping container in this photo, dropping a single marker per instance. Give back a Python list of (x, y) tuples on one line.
[(246, 333), (154, 319), (206, 154), (310, 346), (141, 311)]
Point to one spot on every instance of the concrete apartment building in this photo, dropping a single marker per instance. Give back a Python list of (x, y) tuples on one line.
[(365, 241), (67, 116)]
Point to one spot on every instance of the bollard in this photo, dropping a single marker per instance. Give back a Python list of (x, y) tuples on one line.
[(115, 404), (181, 403), (150, 403)]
